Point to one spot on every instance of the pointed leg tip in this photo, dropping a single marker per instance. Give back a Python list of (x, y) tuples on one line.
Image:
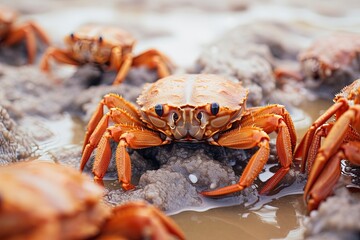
[(99, 181), (222, 191), (312, 204), (207, 194), (127, 186)]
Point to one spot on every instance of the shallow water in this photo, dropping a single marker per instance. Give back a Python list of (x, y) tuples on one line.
[(273, 217), (276, 216)]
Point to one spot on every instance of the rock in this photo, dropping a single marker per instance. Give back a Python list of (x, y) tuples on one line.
[(250, 53), (15, 145), (184, 170), (337, 218)]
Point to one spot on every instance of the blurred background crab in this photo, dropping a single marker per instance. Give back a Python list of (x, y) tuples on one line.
[(331, 61), (108, 47), (43, 200), (341, 141), (12, 33), (190, 108)]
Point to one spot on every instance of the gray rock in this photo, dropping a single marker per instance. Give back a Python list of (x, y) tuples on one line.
[(15, 145), (31, 93), (337, 218)]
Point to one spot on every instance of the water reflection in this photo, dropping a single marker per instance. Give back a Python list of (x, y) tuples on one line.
[(279, 219), (278, 216)]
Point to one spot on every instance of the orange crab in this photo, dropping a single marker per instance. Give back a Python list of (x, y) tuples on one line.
[(192, 108), (11, 34), (42, 200), (342, 141), (106, 46)]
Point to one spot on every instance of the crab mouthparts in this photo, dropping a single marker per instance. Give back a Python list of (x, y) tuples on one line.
[(189, 127)]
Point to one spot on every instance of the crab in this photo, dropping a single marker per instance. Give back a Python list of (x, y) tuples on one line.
[(190, 108), (10, 34), (44, 200), (328, 56), (341, 136), (105, 46)]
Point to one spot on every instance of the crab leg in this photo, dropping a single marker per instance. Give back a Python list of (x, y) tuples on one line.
[(20, 33), (127, 136), (325, 182), (92, 140), (40, 32), (320, 132), (333, 143), (268, 119), (27, 31), (275, 118), (302, 149), (245, 138), (119, 116), (112, 100), (115, 57), (62, 56), (124, 69), (316, 191), (154, 59)]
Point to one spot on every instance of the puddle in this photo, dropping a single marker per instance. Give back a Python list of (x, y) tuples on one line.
[(271, 217), (277, 216)]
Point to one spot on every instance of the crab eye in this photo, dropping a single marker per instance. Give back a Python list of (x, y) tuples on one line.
[(175, 116), (199, 115), (72, 36), (101, 39), (214, 108), (159, 110)]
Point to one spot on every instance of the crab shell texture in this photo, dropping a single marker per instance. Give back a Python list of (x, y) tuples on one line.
[(192, 107), (42, 200), (350, 92), (7, 18), (94, 43)]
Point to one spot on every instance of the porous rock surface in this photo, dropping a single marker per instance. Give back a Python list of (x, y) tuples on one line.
[(337, 218), (172, 176), (15, 145)]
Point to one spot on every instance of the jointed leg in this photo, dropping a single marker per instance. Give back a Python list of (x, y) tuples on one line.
[(39, 32), (123, 69), (115, 58), (27, 32), (18, 34), (127, 136), (154, 59), (318, 191), (274, 118), (321, 187), (302, 149), (59, 55), (334, 140), (127, 112), (320, 133), (259, 117), (334, 143), (245, 138), (92, 138)]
